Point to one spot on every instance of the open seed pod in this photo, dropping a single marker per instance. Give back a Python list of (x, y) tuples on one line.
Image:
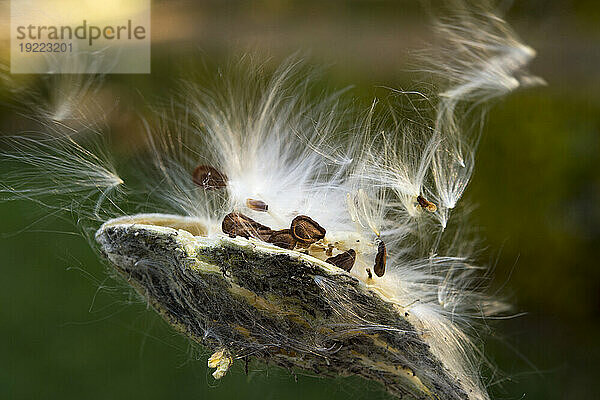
[(245, 297), (316, 231)]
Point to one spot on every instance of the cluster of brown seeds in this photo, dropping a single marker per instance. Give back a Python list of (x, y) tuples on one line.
[(303, 231)]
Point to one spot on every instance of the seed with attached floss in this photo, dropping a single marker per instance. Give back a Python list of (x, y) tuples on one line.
[(283, 239), (344, 260), (209, 178), (257, 205), (426, 204), (380, 259), (237, 224), (306, 231)]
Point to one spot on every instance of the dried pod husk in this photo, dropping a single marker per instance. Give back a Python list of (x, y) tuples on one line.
[(306, 231), (209, 178), (282, 238), (380, 259), (257, 205), (343, 260), (237, 224), (203, 284), (426, 204)]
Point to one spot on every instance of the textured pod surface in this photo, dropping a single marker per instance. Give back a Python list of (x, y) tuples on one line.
[(277, 305)]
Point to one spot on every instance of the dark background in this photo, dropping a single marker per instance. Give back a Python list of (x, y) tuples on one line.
[(68, 332)]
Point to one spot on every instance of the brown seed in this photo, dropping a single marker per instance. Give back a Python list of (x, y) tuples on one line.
[(283, 239), (344, 260), (257, 205), (380, 259), (369, 274), (237, 224), (426, 204), (209, 178), (306, 231)]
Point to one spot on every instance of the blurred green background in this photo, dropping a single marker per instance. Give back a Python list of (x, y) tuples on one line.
[(68, 332)]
